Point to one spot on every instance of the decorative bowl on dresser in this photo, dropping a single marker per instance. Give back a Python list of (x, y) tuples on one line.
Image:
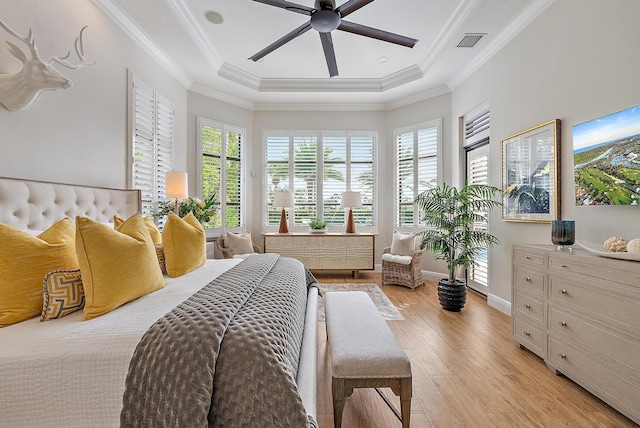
[(581, 314)]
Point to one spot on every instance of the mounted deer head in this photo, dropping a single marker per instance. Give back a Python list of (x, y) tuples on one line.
[(22, 89)]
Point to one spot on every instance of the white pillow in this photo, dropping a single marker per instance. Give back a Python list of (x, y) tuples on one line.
[(403, 245), (239, 243)]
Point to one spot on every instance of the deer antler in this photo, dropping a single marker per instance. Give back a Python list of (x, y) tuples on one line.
[(79, 45), (27, 40)]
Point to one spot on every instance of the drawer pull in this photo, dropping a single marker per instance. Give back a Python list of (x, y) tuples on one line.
[(527, 258), (563, 356), (563, 291), (562, 323), (563, 265), (527, 279), (526, 333), (528, 306)]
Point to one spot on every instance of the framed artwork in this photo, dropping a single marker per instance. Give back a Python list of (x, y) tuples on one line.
[(531, 174)]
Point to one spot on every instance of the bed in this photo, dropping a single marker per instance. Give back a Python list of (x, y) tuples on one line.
[(141, 364)]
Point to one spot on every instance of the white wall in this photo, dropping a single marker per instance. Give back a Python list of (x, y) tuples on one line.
[(576, 62), (78, 135)]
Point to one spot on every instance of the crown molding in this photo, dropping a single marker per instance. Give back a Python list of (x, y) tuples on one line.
[(117, 15), (401, 77), (461, 13), (221, 96), (510, 32), (421, 96), (237, 75), (194, 30), (319, 107)]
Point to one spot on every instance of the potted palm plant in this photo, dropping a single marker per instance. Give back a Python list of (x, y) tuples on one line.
[(450, 214)]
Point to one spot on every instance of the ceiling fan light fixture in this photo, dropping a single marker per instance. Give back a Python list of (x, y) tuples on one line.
[(325, 21), (214, 17)]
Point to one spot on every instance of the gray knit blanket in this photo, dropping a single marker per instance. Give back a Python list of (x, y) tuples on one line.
[(227, 356)]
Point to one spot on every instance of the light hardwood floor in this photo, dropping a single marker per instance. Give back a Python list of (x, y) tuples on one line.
[(467, 372)]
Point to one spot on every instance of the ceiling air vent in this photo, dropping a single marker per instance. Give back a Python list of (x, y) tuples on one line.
[(470, 39)]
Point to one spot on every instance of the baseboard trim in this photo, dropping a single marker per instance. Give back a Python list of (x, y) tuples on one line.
[(499, 303)]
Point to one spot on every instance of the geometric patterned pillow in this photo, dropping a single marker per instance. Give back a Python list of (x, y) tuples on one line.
[(63, 294), (161, 261)]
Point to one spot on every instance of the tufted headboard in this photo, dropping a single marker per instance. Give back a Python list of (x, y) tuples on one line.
[(36, 205)]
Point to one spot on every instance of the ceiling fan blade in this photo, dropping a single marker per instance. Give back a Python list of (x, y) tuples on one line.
[(329, 53), (293, 7), (281, 41), (375, 33), (351, 6)]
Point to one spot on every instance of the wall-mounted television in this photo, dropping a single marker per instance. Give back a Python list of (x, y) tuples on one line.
[(606, 159)]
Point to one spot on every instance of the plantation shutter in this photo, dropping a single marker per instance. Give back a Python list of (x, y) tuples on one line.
[(476, 125), (318, 167), (152, 143), (478, 173), (416, 169)]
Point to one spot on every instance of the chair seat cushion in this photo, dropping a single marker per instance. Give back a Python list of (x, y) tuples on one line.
[(394, 258), (361, 343)]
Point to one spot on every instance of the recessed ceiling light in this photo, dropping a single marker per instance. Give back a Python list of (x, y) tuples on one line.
[(383, 59), (213, 17)]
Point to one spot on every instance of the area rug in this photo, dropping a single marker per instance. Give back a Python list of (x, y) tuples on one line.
[(384, 305)]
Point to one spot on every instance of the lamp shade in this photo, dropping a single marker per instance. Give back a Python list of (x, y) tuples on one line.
[(283, 200), (177, 184), (351, 200)]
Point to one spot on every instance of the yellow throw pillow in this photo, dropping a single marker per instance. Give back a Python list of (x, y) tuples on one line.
[(24, 261), (151, 227), (184, 244), (117, 266)]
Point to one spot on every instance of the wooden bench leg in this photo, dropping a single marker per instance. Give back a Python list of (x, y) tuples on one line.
[(405, 401), (337, 391)]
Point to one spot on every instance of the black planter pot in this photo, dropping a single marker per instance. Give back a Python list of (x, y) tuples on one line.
[(452, 296)]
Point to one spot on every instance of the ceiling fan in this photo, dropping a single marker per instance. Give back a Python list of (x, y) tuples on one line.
[(326, 17)]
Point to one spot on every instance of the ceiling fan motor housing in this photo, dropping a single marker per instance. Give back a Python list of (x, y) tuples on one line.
[(325, 21)]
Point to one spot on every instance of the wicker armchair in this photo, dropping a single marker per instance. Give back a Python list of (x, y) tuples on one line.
[(408, 275), (221, 244)]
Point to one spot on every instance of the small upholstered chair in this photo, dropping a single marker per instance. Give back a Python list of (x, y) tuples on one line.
[(238, 246), (401, 262)]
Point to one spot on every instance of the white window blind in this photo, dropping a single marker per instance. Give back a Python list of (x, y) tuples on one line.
[(416, 169), (221, 171), (476, 125), (318, 167), (152, 142)]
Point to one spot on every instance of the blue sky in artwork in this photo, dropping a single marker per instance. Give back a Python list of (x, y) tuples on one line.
[(612, 127)]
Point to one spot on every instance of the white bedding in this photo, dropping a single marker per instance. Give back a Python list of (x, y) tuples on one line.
[(82, 364)]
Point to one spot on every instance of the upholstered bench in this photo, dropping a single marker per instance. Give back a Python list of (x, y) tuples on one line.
[(364, 353)]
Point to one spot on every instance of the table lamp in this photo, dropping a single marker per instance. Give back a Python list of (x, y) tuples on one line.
[(177, 186), (351, 200), (283, 200)]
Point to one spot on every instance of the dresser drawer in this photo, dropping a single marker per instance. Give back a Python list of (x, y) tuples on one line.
[(610, 270), (530, 280), (620, 391), (530, 337), (529, 257), (614, 345), (529, 306), (610, 305)]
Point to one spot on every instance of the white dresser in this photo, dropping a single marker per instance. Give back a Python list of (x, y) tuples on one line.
[(581, 313), (325, 251)]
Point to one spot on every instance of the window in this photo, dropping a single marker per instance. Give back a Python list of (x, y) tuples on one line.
[(151, 142), (416, 168), (318, 167), (221, 170)]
